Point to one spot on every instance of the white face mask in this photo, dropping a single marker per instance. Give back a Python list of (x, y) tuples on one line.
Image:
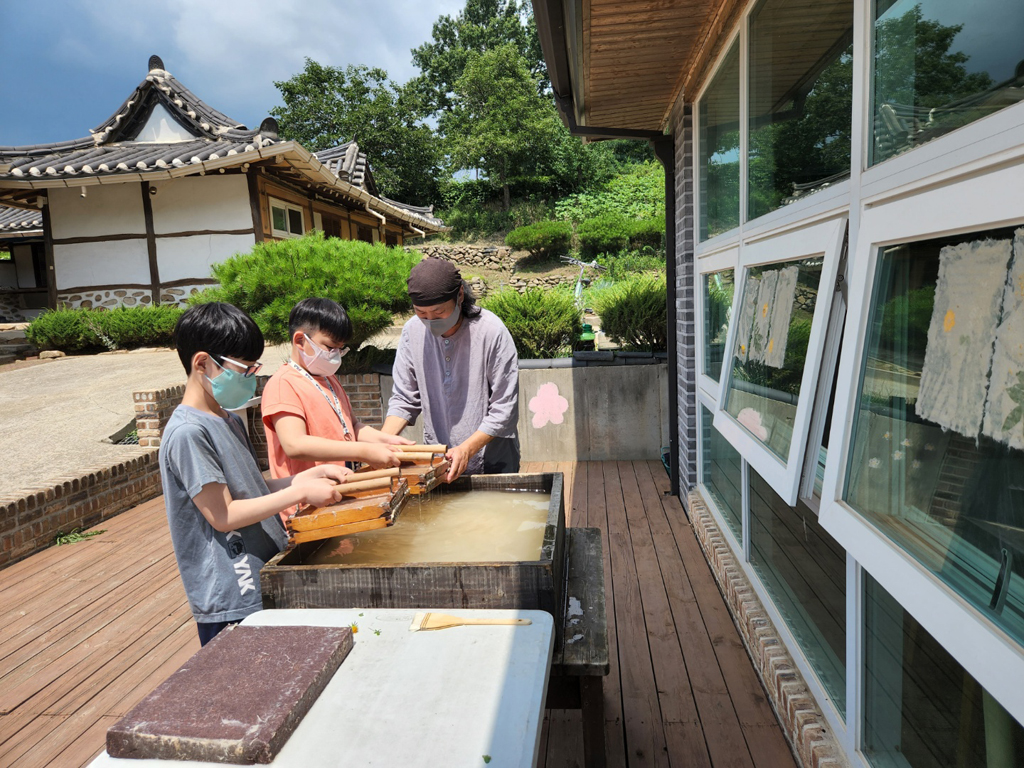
[(321, 362)]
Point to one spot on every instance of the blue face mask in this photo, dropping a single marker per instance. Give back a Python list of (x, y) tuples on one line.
[(441, 326), (231, 389)]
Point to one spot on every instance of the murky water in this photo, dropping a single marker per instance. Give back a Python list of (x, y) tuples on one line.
[(469, 526)]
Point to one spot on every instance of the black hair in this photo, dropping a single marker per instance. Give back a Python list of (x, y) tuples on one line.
[(219, 329), (312, 315), (469, 306)]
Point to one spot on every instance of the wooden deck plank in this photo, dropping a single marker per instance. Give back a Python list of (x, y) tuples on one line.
[(645, 737), (686, 731)]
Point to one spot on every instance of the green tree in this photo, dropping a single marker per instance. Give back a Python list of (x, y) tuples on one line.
[(481, 26), (325, 106), (498, 122)]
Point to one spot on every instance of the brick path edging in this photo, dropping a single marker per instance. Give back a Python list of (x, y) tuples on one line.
[(805, 727)]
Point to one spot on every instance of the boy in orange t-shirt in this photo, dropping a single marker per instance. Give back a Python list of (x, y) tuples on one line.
[(306, 413)]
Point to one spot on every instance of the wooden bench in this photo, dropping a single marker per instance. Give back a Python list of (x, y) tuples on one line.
[(580, 660)]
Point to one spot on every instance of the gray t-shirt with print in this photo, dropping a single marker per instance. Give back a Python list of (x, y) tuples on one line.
[(220, 571)]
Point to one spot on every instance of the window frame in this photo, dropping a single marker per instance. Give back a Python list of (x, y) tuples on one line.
[(273, 202), (976, 202), (727, 258), (820, 238)]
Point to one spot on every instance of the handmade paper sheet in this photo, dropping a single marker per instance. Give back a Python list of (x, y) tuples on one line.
[(782, 313), (763, 316), (1004, 410), (745, 316)]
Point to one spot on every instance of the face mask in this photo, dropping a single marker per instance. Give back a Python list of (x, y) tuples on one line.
[(444, 324), (321, 362), (231, 389)]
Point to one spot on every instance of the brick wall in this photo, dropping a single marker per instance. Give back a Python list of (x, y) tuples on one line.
[(153, 407), (30, 519), (682, 128), (364, 391), (806, 729)]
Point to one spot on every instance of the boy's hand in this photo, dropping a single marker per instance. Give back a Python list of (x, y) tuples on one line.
[(380, 455), (334, 472), (318, 491), (395, 440)]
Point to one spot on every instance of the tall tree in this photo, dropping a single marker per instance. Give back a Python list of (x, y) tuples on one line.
[(481, 26), (497, 121), (325, 106)]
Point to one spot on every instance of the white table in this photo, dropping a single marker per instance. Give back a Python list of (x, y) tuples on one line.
[(401, 699)]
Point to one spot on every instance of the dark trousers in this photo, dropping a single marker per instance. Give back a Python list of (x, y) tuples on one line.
[(209, 630)]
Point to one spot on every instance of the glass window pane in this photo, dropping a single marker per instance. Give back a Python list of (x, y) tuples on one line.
[(804, 569), (718, 291), (801, 85), (937, 458), (941, 64), (295, 221), (279, 218), (773, 328), (720, 149), (722, 474), (921, 708)]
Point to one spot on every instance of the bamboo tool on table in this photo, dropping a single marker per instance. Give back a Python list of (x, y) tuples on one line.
[(427, 621)]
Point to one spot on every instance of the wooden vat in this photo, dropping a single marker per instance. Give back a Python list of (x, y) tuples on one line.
[(287, 582)]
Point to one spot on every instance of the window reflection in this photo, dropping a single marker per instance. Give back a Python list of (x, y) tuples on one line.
[(722, 474), (720, 149), (773, 328), (801, 100), (937, 459), (718, 294), (941, 64)]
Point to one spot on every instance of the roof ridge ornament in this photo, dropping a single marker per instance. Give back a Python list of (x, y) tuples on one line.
[(269, 128), (155, 62)]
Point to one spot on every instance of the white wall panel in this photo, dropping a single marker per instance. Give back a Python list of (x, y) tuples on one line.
[(180, 258), (199, 203), (121, 262), (105, 210)]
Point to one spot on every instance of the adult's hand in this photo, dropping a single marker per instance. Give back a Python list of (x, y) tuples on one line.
[(458, 457)]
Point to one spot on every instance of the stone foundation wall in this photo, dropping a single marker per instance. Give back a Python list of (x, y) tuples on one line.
[(489, 256), (802, 721), (178, 295), (522, 283), (11, 308), (30, 519), (107, 298)]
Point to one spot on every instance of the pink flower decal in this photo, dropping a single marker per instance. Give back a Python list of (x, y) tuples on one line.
[(547, 405), (751, 419)]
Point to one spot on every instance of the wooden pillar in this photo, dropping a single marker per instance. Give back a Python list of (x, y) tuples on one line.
[(154, 269), (665, 151), (51, 272), (254, 204)]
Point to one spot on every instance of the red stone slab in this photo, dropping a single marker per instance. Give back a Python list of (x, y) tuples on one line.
[(237, 700)]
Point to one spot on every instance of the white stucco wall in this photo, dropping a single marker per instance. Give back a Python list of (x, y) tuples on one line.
[(23, 261), (201, 203), (180, 258), (105, 263), (105, 210)]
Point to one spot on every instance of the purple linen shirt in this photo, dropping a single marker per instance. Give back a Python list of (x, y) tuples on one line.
[(465, 383)]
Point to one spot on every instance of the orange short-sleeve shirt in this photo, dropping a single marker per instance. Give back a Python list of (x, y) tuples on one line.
[(289, 392)]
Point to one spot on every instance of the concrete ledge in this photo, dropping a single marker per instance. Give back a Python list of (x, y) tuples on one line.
[(31, 518), (806, 729)]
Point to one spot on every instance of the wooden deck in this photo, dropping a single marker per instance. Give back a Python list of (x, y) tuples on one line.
[(90, 628)]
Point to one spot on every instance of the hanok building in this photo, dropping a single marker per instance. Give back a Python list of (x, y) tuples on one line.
[(845, 197), (138, 211)]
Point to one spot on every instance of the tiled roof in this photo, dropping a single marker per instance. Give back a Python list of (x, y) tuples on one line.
[(20, 220), (425, 212), (111, 149)]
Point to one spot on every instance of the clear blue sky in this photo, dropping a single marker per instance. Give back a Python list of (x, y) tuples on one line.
[(66, 65)]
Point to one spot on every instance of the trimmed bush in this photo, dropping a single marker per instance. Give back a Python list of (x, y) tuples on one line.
[(604, 234), (633, 312), (543, 324), (78, 330), (544, 239), (368, 280), (626, 265), (648, 233)]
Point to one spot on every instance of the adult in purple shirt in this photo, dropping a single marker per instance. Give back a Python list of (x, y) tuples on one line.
[(457, 365)]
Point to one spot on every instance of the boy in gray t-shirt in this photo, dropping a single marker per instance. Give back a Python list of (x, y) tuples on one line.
[(222, 514)]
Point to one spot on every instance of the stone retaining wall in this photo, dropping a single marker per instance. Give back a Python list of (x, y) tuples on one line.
[(114, 297), (489, 256), (804, 725), (30, 519)]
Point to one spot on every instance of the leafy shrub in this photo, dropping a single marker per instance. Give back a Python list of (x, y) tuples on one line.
[(543, 239), (633, 312), (639, 193), (648, 233), (365, 358), (368, 280), (78, 330), (604, 234), (625, 265), (543, 324)]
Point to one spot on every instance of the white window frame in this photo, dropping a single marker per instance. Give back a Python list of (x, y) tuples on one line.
[(820, 239), (708, 265), (975, 203), (284, 233)]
